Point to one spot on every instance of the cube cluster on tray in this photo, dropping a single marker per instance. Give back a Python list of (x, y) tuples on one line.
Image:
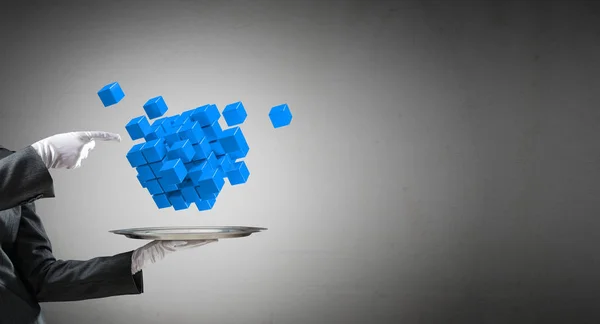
[(184, 159)]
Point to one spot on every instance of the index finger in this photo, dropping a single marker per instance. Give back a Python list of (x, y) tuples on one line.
[(102, 136)]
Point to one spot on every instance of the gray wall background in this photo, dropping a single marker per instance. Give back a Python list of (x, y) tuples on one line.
[(443, 164)]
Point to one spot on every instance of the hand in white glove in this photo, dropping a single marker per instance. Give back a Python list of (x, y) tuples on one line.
[(68, 150), (157, 250)]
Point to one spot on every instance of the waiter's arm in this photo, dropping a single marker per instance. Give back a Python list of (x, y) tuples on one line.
[(23, 178), (51, 280)]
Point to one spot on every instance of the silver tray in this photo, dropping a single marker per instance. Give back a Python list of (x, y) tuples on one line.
[(188, 232)]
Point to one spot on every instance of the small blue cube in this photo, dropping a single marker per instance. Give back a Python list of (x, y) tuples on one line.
[(238, 174), (173, 171), (210, 182), (235, 114), (155, 107), (135, 156), (181, 150), (206, 115), (161, 200), (138, 127), (177, 200), (145, 173), (280, 116), (212, 131), (111, 94), (205, 204), (154, 187), (154, 150), (233, 140)]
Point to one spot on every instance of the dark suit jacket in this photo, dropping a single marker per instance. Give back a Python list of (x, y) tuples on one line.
[(29, 273)]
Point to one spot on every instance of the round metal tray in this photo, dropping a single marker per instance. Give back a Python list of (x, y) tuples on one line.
[(188, 232)]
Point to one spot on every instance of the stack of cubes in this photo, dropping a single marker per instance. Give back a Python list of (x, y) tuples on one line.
[(184, 159)]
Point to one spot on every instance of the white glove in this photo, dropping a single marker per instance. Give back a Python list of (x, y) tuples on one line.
[(157, 250), (69, 149)]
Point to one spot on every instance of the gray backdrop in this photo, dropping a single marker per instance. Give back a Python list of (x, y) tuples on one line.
[(443, 164)]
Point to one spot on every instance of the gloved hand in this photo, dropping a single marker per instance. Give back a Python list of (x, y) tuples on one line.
[(68, 150), (157, 250)]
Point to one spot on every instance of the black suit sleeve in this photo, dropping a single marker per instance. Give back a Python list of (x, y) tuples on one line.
[(23, 178), (57, 280)]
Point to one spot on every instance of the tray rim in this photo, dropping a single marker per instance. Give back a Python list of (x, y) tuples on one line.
[(142, 232)]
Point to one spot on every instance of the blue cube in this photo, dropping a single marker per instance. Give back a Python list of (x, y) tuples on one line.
[(241, 153), (196, 173), (181, 150), (235, 114), (138, 127), (202, 149), (206, 115), (189, 192), (203, 205), (161, 200), (173, 171), (142, 181), (166, 186), (154, 187), (177, 200), (233, 140), (155, 107), (145, 173), (111, 94), (225, 163), (280, 116), (209, 183), (135, 156), (192, 131), (238, 174), (217, 148), (212, 131), (156, 132), (154, 150), (183, 118)]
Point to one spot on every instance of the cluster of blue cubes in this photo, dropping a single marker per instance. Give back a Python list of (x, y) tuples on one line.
[(184, 159)]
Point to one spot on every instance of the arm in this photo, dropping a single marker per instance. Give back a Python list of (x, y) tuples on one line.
[(57, 280), (23, 178)]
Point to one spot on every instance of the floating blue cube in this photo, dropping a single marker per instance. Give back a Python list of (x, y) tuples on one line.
[(161, 200), (154, 187), (181, 150), (202, 149), (138, 127), (241, 153), (192, 131), (173, 171), (206, 115), (156, 132), (212, 131), (166, 186), (280, 116), (235, 113), (188, 191), (225, 163), (210, 183), (111, 94), (217, 148), (155, 107), (145, 173), (177, 200), (196, 173), (154, 150), (238, 174), (232, 140), (135, 156), (203, 205)]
